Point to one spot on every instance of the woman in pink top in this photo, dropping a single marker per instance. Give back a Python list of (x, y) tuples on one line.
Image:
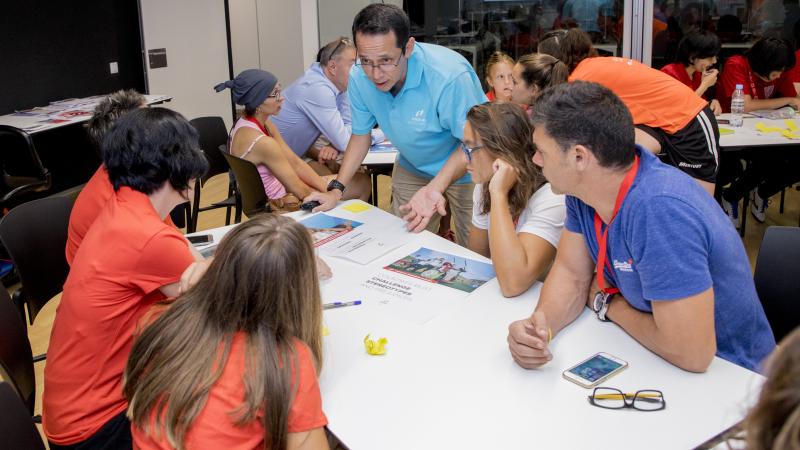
[(286, 177)]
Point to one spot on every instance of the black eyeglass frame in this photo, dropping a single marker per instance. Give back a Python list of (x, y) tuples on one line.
[(468, 150), (393, 65), (624, 399)]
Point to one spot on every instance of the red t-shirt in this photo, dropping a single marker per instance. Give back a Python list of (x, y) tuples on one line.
[(90, 202), (654, 98), (214, 426), (127, 255), (490, 95), (678, 71), (793, 75), (737, 71)]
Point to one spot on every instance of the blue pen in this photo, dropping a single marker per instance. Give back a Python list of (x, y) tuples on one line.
[(340, 304)]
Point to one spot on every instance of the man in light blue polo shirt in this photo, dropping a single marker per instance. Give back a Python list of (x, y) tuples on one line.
[(671, 269), (419, 95)]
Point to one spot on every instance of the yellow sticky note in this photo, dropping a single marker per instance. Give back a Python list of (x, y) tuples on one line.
[(765, 129), (375, 347), (790, 124), (325, 331), (356, 207), (790, 135), (725, 131)]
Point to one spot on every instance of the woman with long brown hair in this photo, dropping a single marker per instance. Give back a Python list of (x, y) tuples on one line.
[(533, 74), (516, 218), (233, 363)]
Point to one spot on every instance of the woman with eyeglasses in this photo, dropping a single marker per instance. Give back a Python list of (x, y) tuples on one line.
[(286, 177), (516, 217)]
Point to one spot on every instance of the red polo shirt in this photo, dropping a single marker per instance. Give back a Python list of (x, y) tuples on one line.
[(126, 256), (737, 71)]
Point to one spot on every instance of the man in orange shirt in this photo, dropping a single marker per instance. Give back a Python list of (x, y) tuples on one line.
[(128, 260), (671, 120)]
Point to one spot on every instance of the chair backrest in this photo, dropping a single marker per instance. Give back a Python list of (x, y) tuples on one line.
[(777, 278), (16, 425), (19, 159), (16, 358), (249, 184), (35, 236), (213, 133)]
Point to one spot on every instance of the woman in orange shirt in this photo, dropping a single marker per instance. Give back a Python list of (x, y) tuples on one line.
[(233, 363)]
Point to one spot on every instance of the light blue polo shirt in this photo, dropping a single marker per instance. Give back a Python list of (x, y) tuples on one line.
[(425, 121)]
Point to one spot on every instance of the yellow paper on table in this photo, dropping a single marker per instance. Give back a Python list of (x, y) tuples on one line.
[(790, 135), (325, 331), (765, 129), (356, 207), (790, 125), (375, 347), (725, 131)]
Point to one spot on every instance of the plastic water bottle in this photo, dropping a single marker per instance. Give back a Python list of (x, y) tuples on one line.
[(737, 106)]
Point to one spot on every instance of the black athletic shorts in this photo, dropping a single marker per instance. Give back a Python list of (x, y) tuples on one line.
[(114, 435), (693, 149)]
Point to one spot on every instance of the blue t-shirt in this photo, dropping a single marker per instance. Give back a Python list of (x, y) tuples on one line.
[(670, 240), (425, 121)]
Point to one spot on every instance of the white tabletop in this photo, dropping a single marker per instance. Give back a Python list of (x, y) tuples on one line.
[(748, 136), (61, 113), (451, 382)]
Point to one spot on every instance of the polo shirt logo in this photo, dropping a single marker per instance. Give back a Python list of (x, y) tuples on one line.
[(624, 266), (419, 116)]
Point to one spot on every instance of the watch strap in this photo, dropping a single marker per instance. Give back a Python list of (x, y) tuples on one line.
[(336, 184)]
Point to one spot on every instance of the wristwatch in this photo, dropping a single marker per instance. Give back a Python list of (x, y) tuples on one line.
[(600, 305), (335, 184)]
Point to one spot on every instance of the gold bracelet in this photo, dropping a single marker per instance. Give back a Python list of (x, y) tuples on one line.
[(549, 335)]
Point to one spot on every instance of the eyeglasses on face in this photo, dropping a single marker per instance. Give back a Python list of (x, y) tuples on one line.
[(276, 93), (468, 150), (642, 400), (385, 64)]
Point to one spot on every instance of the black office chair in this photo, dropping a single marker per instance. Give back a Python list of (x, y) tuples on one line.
[(16, 358), (213, 142), (777, 278), (22, 170), (16, 427), (250, 187), (35, 236)]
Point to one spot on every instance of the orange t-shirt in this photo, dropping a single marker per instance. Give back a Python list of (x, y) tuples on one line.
[(127, 255), (654, 98), (90, 202), (214, 426)]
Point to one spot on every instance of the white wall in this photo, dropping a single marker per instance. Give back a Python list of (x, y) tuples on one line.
[(336, 17), (244, 35), (193, 33)]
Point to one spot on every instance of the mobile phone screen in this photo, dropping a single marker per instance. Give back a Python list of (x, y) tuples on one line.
[(595, 368), (202, 239), (723, 121)]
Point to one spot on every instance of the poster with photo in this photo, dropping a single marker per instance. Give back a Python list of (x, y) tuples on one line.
[(444, 269), (325, 228)]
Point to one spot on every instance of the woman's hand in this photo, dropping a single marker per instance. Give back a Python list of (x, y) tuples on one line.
[(709, 78), (504, 178)]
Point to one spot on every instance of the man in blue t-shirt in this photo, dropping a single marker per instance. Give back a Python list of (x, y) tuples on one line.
[(685, 290), (419, 95)]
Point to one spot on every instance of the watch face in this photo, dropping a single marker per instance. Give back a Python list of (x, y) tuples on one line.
[(598, 302)]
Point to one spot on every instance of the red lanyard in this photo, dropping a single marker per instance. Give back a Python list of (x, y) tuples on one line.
[(602, 237), (259, 124)]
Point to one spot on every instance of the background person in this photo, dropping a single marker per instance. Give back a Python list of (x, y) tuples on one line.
[(694, 65), (233, 363), (534, 73), (516, 217), (499, 77), (419, 95)]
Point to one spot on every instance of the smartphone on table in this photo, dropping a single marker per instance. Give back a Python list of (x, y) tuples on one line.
[(594, 370), (200, 239)]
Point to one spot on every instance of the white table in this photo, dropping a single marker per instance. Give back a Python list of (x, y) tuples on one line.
[(61, 113), (451, 383)]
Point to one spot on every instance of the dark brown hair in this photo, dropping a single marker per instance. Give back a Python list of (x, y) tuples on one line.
[(571, 46), (774, 422), (542, 71), (262, 283), (109, 110), (507, 134)]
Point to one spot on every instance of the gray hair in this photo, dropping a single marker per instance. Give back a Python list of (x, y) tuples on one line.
[(333, 49)]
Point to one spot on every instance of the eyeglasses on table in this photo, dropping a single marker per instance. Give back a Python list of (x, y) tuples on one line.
[(642, 400)]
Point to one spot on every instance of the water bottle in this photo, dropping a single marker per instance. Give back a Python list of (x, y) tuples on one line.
[(737, 106)]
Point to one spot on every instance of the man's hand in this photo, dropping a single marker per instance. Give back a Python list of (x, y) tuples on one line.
[(504, 178), (327, 200), (327, 153), (716, 108), (192, 274), (528, 340), (421, 208)]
